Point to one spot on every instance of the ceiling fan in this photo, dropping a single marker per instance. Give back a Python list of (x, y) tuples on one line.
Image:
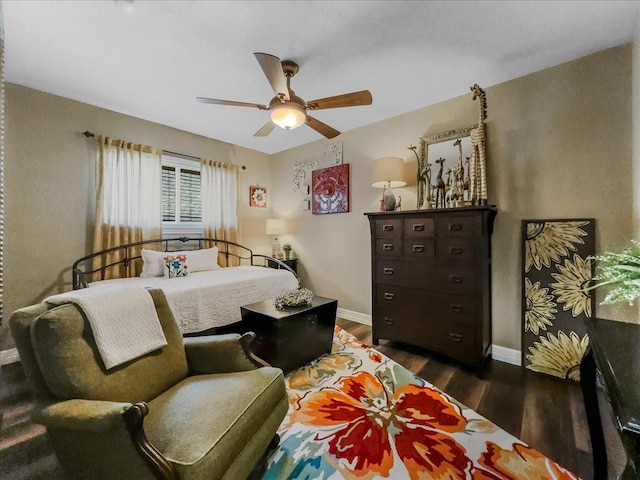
[(289, 111)]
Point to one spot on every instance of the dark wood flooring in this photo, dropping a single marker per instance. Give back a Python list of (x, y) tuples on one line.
[(544, 412)]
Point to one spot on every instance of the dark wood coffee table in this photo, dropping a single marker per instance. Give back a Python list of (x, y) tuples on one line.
[(293, 336)]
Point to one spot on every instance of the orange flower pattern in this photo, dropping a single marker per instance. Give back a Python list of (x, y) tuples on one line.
[(372, 418), (360, 407), (520, 462)]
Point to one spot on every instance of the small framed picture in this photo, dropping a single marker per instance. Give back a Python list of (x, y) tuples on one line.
[(257, 196)]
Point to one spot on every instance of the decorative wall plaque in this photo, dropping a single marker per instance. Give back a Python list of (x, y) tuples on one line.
[(332, 155), (330, 189)]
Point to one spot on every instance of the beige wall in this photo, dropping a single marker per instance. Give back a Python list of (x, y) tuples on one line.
[(50, 192), (559, 145)]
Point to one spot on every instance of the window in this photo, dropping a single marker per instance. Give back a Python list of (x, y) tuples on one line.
[(181, 198)]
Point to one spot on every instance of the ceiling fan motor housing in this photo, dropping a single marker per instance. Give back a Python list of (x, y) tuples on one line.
[(290, 68)]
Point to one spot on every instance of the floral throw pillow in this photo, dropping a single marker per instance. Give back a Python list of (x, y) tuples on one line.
[(175, 266)]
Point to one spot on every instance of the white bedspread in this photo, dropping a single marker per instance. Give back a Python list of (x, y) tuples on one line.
[(203, 300)]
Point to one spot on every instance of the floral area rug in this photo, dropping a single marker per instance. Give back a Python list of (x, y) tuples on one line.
[(357, 414)]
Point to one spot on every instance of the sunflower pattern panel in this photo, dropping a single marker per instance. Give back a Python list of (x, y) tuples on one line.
[(556, 268)]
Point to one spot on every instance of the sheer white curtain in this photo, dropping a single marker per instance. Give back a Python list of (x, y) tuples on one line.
[(219, 200), (129, 195)]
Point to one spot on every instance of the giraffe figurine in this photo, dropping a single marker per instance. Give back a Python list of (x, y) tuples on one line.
[(464, 184), (458, 143), (424, 181), (466, 179), (478, 167), (440, 185)]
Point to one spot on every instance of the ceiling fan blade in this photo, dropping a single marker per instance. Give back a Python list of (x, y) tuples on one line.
[(272, 69), (354, 99), (265, 130), (232, 103), (322, 128)]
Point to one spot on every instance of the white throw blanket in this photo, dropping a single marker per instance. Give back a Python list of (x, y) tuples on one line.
[(123, 320)]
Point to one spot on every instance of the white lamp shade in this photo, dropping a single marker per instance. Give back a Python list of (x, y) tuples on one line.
[(388, 172), (288, 115), (276, 226)]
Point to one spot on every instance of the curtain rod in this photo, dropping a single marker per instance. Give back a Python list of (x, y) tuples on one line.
[(89, 134)]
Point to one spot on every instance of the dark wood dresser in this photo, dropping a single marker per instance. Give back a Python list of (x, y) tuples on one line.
[(431, 280)]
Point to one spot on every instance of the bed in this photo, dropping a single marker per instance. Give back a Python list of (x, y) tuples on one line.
[(221, 276)]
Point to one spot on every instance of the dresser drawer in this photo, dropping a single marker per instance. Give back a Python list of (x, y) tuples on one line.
[(455, 250), (420, 275), (419, 227), (454, 340), (417, 249), (388, 227), (428, 305), (458, 226), (388, 324), (399, 300), (454, 279), (388, 247), (390, 272), (448, 308)]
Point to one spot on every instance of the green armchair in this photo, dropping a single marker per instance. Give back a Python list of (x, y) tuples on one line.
[(198, 408)]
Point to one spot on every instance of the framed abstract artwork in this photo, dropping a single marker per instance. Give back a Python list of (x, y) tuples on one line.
[(330, 189), (556, 267), (257, 196)]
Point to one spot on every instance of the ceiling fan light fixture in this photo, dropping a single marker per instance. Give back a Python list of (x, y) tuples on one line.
[(288, 115)]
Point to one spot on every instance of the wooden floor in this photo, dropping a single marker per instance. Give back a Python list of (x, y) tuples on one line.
[(544, 412)]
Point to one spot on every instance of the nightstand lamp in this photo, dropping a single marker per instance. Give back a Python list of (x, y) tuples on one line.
[(388, 173), (275, 227)]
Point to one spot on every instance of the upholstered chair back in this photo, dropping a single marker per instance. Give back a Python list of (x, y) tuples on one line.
[(60, 356)]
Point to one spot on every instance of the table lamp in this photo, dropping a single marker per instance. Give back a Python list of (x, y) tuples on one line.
[(388, 173), (275, 227)]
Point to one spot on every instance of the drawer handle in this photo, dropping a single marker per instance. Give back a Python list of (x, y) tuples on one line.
[(456, 337), (455, 278), (418, 248), (388, 296), (455, 226), (418, 227), (455, 250), (387, 228), (387, 247), (388, 271), (388, 320), (455, 307)]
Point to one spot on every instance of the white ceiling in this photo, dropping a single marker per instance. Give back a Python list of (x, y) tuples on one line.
[(150, 59)]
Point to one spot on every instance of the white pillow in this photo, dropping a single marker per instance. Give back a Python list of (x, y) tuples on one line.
[(152, 263), (199, 260)]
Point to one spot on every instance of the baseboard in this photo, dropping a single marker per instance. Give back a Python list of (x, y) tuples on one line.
[(9, 356), (354, 316), (506, 355)]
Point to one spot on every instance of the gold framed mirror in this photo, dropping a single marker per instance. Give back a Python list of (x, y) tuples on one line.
[(443, 169)]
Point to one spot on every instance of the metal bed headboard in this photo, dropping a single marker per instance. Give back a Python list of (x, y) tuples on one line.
[(95, 266)]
